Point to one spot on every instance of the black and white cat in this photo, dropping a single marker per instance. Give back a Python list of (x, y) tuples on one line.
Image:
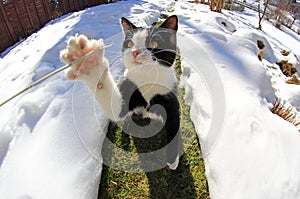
[(149, 80)]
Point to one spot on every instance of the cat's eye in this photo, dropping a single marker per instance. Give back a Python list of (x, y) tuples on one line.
[(153, 44), (130, 44)]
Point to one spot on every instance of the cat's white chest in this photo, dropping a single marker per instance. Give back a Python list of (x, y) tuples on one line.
[(150, 90), (159, 80)]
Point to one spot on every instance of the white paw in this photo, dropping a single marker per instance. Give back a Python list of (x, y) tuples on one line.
[(90, 68)]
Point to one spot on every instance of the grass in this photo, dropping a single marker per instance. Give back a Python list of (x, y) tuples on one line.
[(287, 68), (188, 181), (293, 80), (279, 108)]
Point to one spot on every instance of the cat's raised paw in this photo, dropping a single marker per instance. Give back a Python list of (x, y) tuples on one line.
[(78, 46)]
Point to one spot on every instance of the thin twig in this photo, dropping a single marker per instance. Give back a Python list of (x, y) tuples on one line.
[(53, 73)]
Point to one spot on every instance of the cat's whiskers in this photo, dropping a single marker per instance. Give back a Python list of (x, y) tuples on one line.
[(161, 30), (129, 33), (159, 36), (152, 30), (149, 61), (164, 61), (164, 50)]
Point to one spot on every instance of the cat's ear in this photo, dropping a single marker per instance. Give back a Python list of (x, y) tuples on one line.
[(170, 23), (127, 25)]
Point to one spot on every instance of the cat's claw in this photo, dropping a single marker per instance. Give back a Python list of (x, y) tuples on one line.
[(79, 46)]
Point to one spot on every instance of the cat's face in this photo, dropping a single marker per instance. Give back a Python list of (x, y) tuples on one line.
[(145, 46)]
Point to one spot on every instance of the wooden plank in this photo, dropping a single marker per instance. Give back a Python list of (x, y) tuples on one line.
[(28, 14), (8, 25), (62, 6), (40, 12), (33, 13), (36, 11), (81, 4), (15, 23), (5, 38), (66, 6), (46, 9), (21, 29), (71, 4), (75, 5)]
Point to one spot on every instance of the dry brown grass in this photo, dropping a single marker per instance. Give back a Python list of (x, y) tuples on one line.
[(293, 80), (287, 68), (260, 44), (260, 55), (285, 52), (279, 108)]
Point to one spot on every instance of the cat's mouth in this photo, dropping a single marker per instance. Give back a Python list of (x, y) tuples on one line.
[(140, 60), (136, 62), (143, 60)]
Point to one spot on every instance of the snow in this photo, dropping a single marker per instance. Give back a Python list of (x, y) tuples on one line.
[(51, 135)]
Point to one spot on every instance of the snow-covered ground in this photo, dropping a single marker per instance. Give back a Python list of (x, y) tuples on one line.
[(51, 135)]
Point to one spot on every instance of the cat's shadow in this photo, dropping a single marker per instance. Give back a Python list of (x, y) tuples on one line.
[(160, 183)]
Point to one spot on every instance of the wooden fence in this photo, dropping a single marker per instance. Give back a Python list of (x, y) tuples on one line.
[(20, 18)]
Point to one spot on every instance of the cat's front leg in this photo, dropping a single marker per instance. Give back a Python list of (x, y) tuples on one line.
[(94, 72)]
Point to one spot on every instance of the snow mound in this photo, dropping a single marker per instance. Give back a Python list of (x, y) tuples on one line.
[(226, 25), (243, 47), (254, 36)]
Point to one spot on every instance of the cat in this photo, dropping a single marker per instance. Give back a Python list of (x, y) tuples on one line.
[(149, 85)]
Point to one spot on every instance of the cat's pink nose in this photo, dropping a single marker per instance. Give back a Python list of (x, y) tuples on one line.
[(135, 53)]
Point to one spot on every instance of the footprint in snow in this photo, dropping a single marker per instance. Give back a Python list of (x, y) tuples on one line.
[(137, 11), (256, 132), (43, 69)]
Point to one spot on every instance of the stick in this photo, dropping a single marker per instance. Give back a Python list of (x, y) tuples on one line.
[(53, 73)]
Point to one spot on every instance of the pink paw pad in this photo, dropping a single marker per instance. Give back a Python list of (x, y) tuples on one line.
[(99, 85), (79, 46)]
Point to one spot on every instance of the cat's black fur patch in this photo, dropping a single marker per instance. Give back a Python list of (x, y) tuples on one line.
[(131, 96)]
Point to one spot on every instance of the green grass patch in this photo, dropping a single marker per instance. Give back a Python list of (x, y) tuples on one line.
[(162, 18), (188, 181)]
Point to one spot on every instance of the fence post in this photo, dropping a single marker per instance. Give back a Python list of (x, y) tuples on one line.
[(9, 27), (37, 13), (20, 20), (28, 13), (46, 9)]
